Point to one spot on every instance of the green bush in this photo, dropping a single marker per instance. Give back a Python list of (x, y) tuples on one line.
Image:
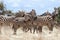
[(58, 17)]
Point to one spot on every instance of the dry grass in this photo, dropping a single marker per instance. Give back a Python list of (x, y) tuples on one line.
[(7, 34)]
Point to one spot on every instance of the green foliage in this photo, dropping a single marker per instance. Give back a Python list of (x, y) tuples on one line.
[(1, 6), (58, 17)]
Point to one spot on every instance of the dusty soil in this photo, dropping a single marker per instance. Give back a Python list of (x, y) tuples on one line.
[(7, 34)]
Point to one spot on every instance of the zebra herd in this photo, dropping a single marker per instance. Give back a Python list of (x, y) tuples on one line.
[(28, 21)]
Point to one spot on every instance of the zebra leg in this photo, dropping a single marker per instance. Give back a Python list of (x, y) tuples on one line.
[(30, 28), (15, 31), (34, 29), (26, 29), (37, 29), (0, 29), (40, 29), (50, 27)]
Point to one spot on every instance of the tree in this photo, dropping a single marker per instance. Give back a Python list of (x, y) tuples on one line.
[(8, 12), (58, 17), (2, 7)]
